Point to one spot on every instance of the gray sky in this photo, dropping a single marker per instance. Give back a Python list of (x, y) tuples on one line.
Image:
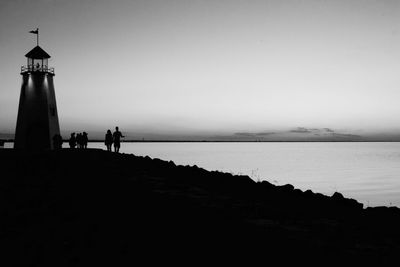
[(212, 68)]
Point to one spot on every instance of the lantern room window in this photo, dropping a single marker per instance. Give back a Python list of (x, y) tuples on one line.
[(37, 61)]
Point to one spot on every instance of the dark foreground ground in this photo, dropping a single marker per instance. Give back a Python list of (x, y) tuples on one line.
[(86, 208)]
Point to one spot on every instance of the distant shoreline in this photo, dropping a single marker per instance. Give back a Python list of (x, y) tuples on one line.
[(238, 141)]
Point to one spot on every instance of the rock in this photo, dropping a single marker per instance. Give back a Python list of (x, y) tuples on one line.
[(101, 202), (337, 196), (288, 187)]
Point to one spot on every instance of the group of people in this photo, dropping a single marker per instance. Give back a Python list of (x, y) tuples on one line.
[(80, 140)]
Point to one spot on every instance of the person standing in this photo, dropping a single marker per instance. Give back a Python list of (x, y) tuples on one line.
[(79, 140), (108, 140), (57, 142), (72, 141), (85, 140), (117, 135)]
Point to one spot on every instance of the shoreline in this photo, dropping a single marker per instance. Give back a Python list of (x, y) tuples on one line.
[(84, 196), (65, 141)]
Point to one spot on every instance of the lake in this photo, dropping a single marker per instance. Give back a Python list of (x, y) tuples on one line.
[(366, 171)]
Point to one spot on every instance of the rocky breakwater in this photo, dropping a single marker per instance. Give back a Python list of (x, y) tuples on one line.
[(79, 208)]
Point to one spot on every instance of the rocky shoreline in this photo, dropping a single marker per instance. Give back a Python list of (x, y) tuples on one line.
[(81, 207)]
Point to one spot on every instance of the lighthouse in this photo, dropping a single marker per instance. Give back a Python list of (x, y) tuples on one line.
[(37, 121)]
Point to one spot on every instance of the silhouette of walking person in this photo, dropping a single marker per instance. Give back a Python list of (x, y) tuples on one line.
[(72, 141), (108, 140), (85, 140), (117, 139)]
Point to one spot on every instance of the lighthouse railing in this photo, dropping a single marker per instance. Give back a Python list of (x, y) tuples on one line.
[(32, 68)]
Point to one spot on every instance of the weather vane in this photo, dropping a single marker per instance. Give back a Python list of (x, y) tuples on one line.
[(37, 35)]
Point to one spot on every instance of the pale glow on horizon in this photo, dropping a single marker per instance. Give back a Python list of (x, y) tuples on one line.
[(210, 67)]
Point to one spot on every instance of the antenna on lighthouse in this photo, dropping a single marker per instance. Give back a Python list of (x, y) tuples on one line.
[(37, 35)]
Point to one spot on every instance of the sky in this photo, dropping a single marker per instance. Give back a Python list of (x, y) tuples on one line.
[(226, 69)]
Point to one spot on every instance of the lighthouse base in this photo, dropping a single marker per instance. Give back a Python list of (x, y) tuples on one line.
[(37, 121)]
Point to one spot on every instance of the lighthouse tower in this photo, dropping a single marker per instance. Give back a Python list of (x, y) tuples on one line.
[(37, 121)]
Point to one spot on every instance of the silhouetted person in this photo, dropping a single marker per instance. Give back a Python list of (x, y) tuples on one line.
[(108, 140), (79, 140), (57, 141), (117, 139), (72, 141), (85, 140)]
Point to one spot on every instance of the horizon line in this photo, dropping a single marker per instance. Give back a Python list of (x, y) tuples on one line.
[(235, 141)]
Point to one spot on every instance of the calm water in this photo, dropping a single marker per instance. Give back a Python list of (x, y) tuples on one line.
[(368, 172)]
